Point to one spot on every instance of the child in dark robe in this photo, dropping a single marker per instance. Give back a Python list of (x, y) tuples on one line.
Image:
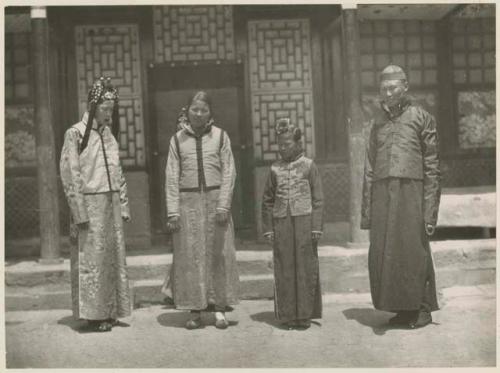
[(292, 217)]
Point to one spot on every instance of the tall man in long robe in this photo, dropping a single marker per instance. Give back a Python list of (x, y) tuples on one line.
[(97, 196), (401, 193)]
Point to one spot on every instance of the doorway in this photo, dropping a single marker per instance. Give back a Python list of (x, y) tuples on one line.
[(169, 90)]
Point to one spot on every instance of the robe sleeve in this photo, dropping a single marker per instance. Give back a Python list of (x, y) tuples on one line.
[(432, 174), (366, 199), (71, 176), (172, 174), (316, 198), (268, 199), (228, 175)]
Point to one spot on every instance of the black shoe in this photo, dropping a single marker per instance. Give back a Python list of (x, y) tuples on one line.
[(303, 324), (423, 318), (290, 325), (401, 318)]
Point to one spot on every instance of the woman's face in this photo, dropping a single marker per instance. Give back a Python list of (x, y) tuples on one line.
[(104, 113), (199, 113)]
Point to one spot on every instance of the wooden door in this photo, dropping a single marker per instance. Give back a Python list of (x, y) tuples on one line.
[(170, 88)]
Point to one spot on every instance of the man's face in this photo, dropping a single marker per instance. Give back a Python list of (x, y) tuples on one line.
[(104, 113), (199, 114), (286, 145), (392, 91)]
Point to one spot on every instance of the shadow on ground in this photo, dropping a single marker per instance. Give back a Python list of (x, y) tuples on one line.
[(82, 327), (270, 319), (377, 320), (179, 319)]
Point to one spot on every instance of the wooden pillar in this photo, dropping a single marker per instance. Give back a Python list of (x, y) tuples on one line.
[(45, 146), (354, 118)]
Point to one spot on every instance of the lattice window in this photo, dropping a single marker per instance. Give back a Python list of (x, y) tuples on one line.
[(113, 51), (410, 44), (193, 33), (17, 67), (280, 80), (473, 51)]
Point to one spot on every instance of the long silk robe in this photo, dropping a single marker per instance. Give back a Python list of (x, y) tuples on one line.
[(97, 194), (401, 194)]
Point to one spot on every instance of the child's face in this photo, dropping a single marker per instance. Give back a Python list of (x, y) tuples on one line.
[(286, 145)]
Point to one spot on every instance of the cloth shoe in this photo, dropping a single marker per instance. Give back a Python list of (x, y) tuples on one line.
[(220, 320), (195, 321)]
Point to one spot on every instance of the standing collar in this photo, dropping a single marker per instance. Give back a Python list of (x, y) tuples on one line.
[(186, 126), (95, 125), (398, 110)]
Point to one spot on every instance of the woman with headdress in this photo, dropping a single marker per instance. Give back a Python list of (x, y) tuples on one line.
[(200, 177), (292, 219), (96, 191)]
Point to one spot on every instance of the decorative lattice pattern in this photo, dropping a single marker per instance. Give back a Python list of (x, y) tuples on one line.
[(193, 33), (297, 106), (113, 51), (335, 178), (474, 50), (22, 218), (17, 67), (280, 80), (409, 44)]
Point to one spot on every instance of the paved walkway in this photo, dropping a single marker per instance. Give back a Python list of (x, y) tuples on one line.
[(351, 334)]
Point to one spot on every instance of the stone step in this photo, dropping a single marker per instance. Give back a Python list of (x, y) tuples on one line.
[(258, 286), (333, 259)]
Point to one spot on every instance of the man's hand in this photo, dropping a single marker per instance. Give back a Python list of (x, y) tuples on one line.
[(429, 229), (222, 217), (173, 224), (316, 236), (269, 238)]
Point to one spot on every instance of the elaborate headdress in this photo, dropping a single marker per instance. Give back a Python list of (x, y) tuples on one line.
[(285, 125), (102, 90)]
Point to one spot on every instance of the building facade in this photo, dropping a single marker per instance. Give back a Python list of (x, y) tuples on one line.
[(259, 62)]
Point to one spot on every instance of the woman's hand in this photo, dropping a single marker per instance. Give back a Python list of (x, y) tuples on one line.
[(269, 236), (173, 224), (221, 217)]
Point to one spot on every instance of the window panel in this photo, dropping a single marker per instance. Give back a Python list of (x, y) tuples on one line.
[(409, 44), (17, 62), (476, 76), (473, 52), (398, 43), (459, 76), (414, 60)]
